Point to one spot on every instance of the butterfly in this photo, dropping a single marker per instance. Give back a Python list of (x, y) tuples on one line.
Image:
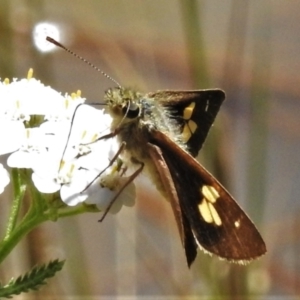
[(162, 133)]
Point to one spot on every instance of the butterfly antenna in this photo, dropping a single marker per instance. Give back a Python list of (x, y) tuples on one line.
[(56, 43)]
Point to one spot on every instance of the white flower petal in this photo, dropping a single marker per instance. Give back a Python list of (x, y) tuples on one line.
[(104, 190), (45, 185), (129, 194), (102, 198), (63, 109), (21, 160), (32, 146), (73, 193), (11, 133)]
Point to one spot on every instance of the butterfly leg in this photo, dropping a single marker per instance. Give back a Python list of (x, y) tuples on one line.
[(130, 179), (123, 145)]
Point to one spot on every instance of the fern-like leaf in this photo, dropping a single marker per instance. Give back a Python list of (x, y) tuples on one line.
[(32, 280)]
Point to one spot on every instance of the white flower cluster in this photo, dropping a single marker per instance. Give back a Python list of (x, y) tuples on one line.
[(58, 138)]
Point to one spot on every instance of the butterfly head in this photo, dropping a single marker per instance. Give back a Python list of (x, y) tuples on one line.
[(123, 103)]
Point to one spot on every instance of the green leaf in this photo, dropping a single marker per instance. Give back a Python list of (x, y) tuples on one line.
[(32, 280)]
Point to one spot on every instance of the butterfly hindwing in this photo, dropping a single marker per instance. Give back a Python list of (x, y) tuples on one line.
[(218, 224), (185, 231), (187, 108)]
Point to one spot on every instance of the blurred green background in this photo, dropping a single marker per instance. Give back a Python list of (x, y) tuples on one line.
[(248, 48)]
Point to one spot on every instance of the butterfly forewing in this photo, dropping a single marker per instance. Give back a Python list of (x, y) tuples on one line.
[(219, 225), (188, 108)]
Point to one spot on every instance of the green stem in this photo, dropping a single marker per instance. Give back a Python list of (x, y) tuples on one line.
[(76, 210), (19, 189), (8, 244), (37, 213), (32, 220)]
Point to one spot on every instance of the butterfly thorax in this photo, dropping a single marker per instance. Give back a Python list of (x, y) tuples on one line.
[(134, 116)]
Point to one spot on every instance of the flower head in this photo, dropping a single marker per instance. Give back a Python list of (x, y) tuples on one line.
[(60, 139)]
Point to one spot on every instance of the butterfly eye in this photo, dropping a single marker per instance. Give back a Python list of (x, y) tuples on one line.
[(131, 110)]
